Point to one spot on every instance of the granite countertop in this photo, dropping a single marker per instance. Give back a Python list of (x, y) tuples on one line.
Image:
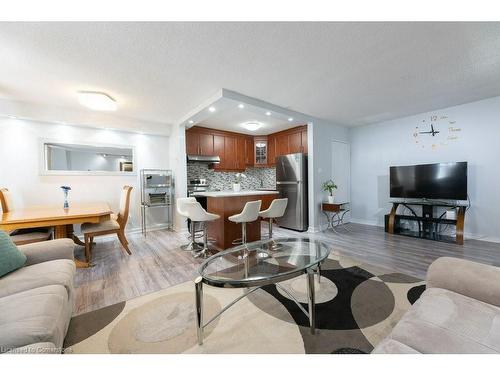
[(230, 193)]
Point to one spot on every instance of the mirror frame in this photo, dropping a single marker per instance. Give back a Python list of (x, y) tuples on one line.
[(44, 171)]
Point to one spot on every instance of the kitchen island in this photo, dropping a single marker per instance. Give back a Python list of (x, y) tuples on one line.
[(228, 203)]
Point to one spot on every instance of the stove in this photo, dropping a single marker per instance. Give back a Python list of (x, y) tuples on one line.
[(196, 185)]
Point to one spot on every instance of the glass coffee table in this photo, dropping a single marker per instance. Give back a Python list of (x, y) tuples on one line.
[(258, 264)]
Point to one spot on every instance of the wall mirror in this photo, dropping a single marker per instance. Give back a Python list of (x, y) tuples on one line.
[(72, 158)]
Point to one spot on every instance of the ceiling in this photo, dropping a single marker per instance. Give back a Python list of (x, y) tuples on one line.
[(348, 73), (231, 115)]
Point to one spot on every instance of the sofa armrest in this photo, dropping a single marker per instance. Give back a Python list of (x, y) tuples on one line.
[(39, 252), (471, 279)]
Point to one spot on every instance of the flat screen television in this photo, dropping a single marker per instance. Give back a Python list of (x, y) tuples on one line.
[(430, 181)]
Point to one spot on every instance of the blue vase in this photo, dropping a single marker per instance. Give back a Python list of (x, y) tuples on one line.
[(66, 204)]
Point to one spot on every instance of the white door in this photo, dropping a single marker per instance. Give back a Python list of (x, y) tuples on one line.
[(341, 173)]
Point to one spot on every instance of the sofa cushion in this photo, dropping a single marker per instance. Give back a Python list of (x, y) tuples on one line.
[(37, 315), (10, 257), (55, 272), (390, 346), (442, 321)]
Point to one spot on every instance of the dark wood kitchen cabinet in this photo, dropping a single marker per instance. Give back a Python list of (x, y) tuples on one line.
[(192, 143), (295, 142), (239, 151), (206, 144), (219, 151), (230, 155), (291, 141), (199, 143), (249, 151), (303, 138), (271, 150)]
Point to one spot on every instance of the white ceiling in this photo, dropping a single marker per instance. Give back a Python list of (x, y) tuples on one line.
[(348, 73), (229, 116)]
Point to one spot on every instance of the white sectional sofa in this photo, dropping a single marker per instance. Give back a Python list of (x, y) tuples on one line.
[(459, 312), (36, 301)]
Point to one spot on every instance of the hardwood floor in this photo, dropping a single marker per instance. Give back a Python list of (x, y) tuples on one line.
[(157, 262)]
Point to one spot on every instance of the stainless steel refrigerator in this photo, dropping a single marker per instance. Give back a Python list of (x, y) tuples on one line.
[(291, 182)]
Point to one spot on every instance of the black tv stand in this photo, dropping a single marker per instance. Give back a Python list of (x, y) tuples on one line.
[(427, 223)]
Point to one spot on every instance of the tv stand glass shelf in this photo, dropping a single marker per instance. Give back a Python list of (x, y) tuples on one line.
[(428, 223)]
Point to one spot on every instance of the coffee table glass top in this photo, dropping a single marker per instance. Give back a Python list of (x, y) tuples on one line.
[(262, 262)]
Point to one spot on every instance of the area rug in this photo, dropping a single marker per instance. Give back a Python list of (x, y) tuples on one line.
[(357, 306)]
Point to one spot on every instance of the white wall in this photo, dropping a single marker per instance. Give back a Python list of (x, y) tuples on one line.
[(20, 170), (179, 167), (321, 165), (376, 147)]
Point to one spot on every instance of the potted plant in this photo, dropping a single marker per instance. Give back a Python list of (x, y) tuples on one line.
[(237, 181), (329, 186)]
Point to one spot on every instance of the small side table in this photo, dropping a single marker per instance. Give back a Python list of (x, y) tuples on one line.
[(335, 213)]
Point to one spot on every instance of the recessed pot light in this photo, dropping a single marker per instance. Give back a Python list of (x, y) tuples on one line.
[(252, 126), (97, 101), (268, 113), (191, 121), (290, 119), (211, 109), (241, 106)]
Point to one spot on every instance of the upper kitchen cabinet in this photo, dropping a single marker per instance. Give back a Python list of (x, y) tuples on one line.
[(199, 142), (291, 141), (303, 138), (192, 143), (260, 151), (206, 144), (295, 142), (239, 151), (271, 150), (249, 151)]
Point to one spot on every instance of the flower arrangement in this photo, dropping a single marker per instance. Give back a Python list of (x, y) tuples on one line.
[(65, 190), (237, 181), (329, 186), (238, 177)]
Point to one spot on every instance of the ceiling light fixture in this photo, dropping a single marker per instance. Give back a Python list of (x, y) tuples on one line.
[(268, 113), (191, 121), (12, 117), (252, 126), (241, 106), (211, 109), (97, 101), (290, 119)]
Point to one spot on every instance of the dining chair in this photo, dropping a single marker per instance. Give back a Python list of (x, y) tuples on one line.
[(22, 236), (115, 225)]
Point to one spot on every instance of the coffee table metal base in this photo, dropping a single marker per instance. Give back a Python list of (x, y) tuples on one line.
[(311, 313)]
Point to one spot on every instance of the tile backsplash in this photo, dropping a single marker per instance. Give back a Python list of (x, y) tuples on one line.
[(225, 180)]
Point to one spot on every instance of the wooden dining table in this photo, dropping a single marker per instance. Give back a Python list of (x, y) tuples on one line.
[(61, 219)]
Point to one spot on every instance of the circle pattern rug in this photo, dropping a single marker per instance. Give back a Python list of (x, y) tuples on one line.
[(357, 306)]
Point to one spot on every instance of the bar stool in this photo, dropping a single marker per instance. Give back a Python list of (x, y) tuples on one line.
[(250, 213), (275, 210), (181, 210), (197, 214)]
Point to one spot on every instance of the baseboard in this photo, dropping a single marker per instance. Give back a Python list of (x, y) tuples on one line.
[(150, 228), (373, 223)]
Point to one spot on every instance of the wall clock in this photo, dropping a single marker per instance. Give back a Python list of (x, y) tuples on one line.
[(435, 131)]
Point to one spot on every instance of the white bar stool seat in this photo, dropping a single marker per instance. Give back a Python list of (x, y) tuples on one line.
[(275, 210), (249, 214), (197, 214), (181, 210)]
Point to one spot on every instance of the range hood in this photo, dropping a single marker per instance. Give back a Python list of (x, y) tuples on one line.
[(203, 159)]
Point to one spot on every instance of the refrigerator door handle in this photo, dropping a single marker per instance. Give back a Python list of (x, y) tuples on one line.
[(288, 182)]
